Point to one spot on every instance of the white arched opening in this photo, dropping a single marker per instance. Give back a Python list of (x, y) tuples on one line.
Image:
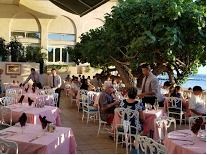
[(26, 28), (61, 34)]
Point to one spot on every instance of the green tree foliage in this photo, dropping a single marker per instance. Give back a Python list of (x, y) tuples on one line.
[(34, 54), (3, 50), (16, 50), (168, 34)]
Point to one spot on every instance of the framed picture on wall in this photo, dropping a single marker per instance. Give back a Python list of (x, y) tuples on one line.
[(13, 69)]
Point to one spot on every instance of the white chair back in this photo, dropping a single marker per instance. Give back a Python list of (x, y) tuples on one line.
[(175, 102), (149, 146), (11, 92), (127, 114), (91, 96), (49, 91), (175, 107), (6, 116), (55, 98), (7, 100), (40, 102), (163, 123), (41, 92), (8, 147)]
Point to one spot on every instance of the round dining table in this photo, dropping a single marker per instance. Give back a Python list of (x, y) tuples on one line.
[(184, 142)]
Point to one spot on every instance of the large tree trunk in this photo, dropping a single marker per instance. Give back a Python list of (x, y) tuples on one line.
[(125, 74)]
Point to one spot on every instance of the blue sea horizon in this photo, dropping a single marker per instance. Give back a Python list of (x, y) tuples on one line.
[(193, 80)]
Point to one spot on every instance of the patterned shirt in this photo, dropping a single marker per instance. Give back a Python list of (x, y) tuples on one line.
[(133, 106)]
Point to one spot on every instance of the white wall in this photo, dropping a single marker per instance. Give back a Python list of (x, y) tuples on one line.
[(25, 71)]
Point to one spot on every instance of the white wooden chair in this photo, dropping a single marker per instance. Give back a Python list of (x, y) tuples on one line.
[(12, 93), (100, 122), (8, 147), (175, 108), (55, 98), (149, 146), (40, 102), (193, 118), (6, 117), (124, 129), (7, 100), (163, 123), (67, 88), (91, 111), (81, 96)]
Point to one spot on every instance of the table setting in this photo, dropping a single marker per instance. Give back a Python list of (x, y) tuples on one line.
[(45, 138)]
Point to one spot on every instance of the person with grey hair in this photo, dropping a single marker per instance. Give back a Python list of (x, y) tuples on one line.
[(107, 103), (150, 87)]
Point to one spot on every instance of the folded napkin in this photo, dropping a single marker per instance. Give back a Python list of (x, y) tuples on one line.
[(23, 119), (44, 121), (21, 99), (30, 101), (26, 89), (20, 85)]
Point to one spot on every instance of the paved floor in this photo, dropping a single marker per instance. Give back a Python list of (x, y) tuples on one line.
[(86, 134)]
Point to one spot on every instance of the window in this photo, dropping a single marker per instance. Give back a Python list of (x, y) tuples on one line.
[(56, 54), (50, 54), (35, 35), (64, 55), (61, 37), (18, 34)]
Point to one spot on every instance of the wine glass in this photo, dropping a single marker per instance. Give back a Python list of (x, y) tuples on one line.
[(149, 106), (146, 107)]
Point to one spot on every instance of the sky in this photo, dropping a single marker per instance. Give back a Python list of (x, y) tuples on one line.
[(202, 70)]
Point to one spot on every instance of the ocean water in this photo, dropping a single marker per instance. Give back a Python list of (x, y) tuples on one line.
[(193, 80)]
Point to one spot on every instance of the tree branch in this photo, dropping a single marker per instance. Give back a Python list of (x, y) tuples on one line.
[(181, 63), (126, 56), (123, 63)]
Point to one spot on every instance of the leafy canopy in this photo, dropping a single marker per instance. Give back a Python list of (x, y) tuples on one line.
[(168, 34)]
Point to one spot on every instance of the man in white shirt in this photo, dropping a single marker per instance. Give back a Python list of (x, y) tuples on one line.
[(196, 104), (55, 83), (150, 87)]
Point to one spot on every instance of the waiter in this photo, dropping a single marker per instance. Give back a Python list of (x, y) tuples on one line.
[(55, 83), (150, 87), (35, 77)]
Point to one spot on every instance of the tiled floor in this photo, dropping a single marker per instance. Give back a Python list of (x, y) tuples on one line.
[(86, 134)]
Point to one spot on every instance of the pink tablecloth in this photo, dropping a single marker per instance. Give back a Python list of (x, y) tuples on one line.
[(52, 113), (183, 146), (149, 119), (33, 140), (48, 98)]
